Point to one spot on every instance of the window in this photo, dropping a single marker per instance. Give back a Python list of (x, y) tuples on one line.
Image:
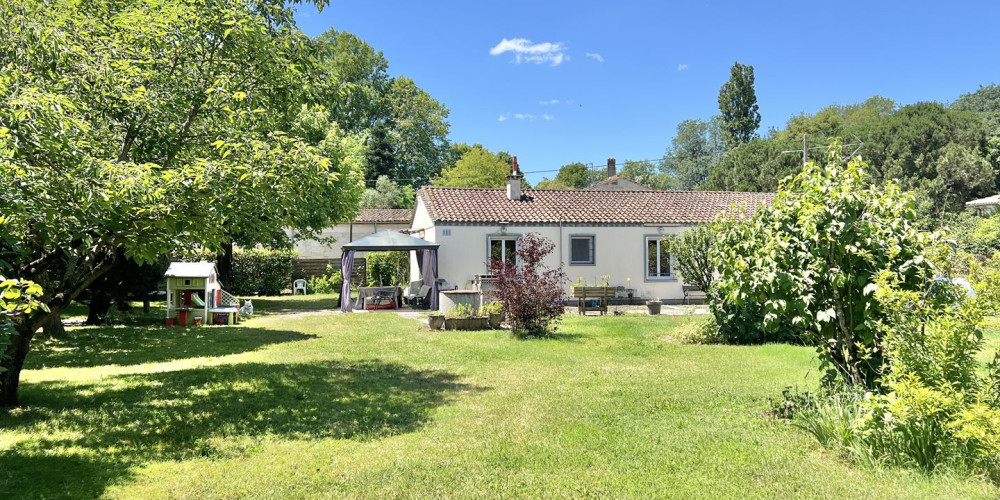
[(581, 250), (657, 259), (503, 249)]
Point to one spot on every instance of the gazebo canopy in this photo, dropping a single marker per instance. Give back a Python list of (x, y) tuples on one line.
[(389, 239)]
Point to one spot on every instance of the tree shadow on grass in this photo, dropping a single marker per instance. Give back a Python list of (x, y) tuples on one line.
[(76, 439), (129, 345)]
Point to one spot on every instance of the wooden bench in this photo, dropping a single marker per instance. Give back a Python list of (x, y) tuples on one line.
[(599, 293), (690, 290)]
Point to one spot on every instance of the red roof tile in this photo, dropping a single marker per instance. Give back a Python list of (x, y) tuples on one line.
[(582, 206), (384, 216)]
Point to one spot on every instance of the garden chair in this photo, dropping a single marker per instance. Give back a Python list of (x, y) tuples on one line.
[(297, 285), (412, 291), (420, 299)]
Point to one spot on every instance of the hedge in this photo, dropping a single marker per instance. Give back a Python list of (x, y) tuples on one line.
[(261, 272)]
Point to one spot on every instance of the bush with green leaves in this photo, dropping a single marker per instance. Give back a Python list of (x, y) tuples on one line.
[(804, 267), (329, 282), (261, 272), (977, 235), (386, 268), (934, 408), (693, 252)]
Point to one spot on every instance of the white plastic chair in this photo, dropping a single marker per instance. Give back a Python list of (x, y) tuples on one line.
[(297, 285)]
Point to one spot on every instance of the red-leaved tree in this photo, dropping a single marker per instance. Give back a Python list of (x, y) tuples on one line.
[(531, 293)]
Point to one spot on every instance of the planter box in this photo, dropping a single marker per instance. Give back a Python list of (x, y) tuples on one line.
[(473, 323), (495, 320)]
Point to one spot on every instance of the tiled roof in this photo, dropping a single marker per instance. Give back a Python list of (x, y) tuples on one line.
[(384, 216), (582, 206)]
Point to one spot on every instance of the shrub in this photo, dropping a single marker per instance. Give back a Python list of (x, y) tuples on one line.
[(805, 266), (693, 252), (531, 293), (461, 311), (261, 272), (386, 268), (329, 282), (933, 408)]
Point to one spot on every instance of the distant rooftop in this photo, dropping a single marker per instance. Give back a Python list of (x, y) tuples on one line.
[(384, 216), (982, 202)]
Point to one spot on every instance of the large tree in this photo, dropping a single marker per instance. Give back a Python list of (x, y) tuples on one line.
[(136, 128), (738, 106), (694, 152), (478, 167), (572, 176)]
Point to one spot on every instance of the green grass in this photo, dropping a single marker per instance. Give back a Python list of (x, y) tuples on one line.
[(376, 406)]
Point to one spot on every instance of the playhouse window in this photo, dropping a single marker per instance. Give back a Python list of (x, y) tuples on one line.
[(187, 282)]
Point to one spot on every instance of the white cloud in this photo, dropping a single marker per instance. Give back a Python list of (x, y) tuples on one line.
[(526, 51), (548, 117), (596, 57), (551, 102), (524, 116), (502, 118), (682, 67)]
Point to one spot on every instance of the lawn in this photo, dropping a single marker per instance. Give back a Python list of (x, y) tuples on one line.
[(376, 406)]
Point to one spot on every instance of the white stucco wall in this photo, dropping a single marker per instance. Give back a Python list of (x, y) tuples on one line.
[(619, 251), (314, 249)]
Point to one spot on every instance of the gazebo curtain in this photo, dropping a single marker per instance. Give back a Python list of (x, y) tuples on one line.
[(346, 264), (427, 262)]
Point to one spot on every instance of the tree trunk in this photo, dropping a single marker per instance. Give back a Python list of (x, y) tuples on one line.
[(12, 361), (145, 304), (53, 328), (100, 304), (225, 265)]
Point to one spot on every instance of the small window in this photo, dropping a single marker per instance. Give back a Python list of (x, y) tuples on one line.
[(581, 250), (503, 249), (657, 259)]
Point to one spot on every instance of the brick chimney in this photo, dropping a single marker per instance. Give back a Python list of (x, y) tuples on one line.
[(514, 182), (611, 168)]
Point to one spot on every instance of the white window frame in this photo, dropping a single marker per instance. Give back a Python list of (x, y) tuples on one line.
[(645, 261), (507, 239), (593, 249)]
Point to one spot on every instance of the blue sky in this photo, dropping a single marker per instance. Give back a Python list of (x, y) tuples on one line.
[(556, 82)]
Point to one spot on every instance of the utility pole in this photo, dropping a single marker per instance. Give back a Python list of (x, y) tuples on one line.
[(805, 149)]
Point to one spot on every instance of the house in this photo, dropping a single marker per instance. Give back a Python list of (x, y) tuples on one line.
[(596, 232), (984, 206), (615, 182), (314, 255)]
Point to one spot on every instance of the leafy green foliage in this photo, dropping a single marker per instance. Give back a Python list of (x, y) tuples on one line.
[(694, 152), (477, 167), (572, 176), (738, 106), (806, 266), (693, 252), (976, 235), (461, 311), (261, 272), (758, 166), (19, 297), (388, 194), (329, 282), (386, 268)]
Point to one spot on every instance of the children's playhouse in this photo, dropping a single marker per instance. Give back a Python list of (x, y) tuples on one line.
[(195, 296)]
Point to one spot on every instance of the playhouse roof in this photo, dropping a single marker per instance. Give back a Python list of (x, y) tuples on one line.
[(190, 269)]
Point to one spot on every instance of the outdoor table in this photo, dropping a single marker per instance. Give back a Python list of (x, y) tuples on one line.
[(370, 291)]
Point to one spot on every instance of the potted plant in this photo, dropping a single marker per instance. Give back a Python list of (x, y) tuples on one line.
[(493, 310), (459, 318), (436, 320), (654, 306)]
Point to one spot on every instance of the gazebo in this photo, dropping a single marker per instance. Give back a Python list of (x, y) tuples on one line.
[(391, 240)]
